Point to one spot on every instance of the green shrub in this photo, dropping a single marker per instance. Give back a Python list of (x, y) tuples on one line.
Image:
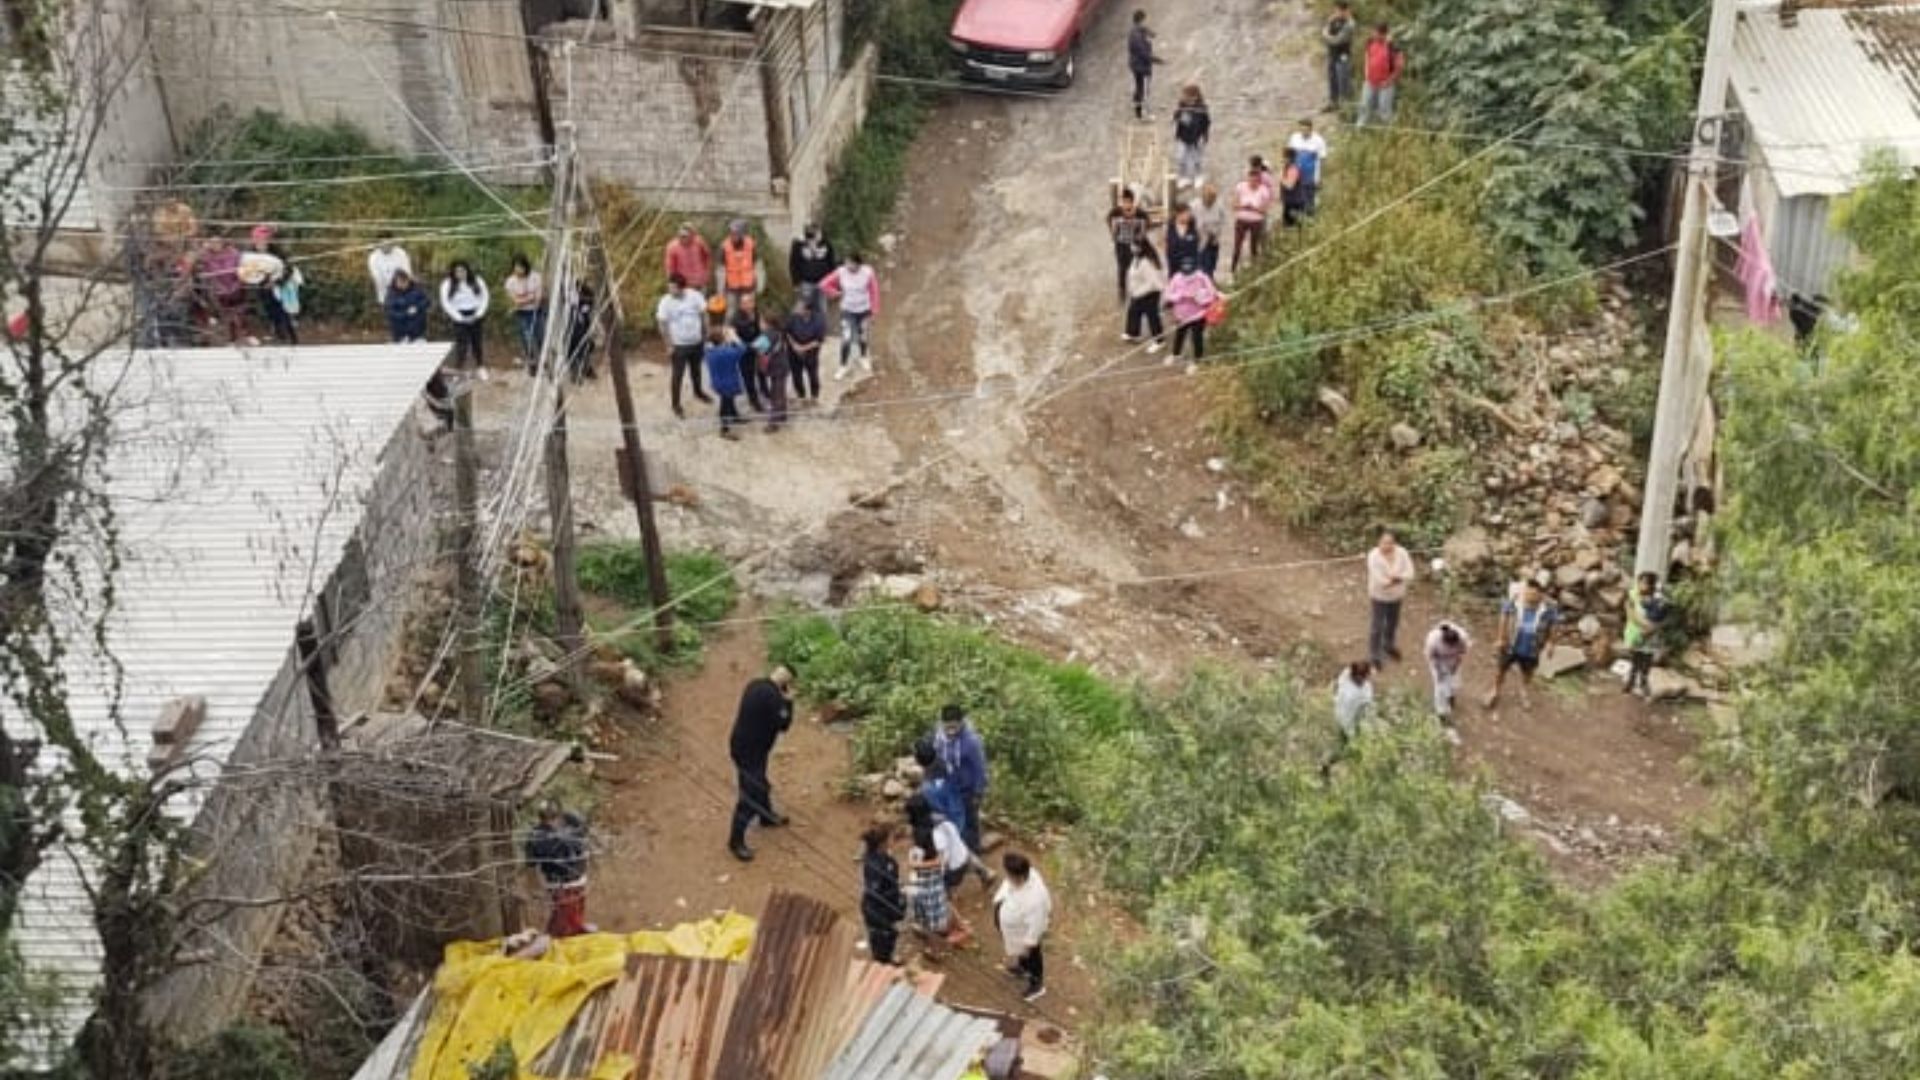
[(617, 571), (245, 1051)]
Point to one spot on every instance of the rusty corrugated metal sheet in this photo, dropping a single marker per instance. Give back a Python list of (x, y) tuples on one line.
[(784, 1023), (910, 1037), (668, 1015)]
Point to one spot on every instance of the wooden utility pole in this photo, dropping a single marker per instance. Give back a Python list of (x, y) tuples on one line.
[(466, 489), (1688, 358), (636, 460), (568, 621)]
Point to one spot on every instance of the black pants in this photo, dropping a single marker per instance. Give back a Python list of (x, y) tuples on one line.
[(1141, 80), (1145, 309), (284, 328), (466, 342), (750, 376), (755, 802), (881, 941), (806, 374), (1383, 631), (1197, 330), (686, 362), (1642, 667), (1122, 262), (1034, 966), (729, 413), (970, 831)]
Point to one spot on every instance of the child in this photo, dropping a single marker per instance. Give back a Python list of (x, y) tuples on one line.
[(881, 905), (927, 868), (1646, 610)]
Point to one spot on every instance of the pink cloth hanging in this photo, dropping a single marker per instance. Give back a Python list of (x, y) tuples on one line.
[(1755, 271)]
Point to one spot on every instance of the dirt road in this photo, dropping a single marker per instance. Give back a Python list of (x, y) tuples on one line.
[(1045, 513)]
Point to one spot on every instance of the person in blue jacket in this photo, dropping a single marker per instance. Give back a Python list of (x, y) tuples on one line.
[(723, 373), (965, 758), (946, 801), (406, 309)]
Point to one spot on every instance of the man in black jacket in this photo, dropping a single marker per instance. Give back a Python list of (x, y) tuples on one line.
[(808, 263), (766, 710)]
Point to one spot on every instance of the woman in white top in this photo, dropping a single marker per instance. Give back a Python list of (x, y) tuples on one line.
[(1146, 280), (1023, 909), (526, 293), (463, 296)]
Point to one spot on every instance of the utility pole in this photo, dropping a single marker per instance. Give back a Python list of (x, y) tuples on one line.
[(636, 460), (466, 487), (567, 618), (1684, 369)]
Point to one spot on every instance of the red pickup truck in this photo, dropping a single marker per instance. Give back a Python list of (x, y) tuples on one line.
[(1028, 42)]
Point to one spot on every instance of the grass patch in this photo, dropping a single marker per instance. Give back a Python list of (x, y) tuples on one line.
[(616, 572)]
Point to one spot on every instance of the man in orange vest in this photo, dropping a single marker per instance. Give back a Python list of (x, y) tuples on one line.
[(739, 266)]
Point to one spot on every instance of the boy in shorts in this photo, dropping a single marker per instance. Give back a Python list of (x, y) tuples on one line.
[(1526, 628)]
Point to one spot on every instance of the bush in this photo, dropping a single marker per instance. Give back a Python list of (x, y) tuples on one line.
[(242, 1052), (617, 571)]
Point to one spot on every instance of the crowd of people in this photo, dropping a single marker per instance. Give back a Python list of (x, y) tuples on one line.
[(209, 290)]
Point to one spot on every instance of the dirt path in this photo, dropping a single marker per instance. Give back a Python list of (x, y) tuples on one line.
[(665, 822)]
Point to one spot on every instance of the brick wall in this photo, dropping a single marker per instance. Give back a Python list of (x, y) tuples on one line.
[(258, 831), (812, 167)]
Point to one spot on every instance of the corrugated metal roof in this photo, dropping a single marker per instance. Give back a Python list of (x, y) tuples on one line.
[(43, 156), (909, 1037), (1819, 94), (783, 1025), (238, 476)]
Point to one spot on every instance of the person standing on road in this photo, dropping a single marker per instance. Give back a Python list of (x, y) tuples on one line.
[(1210, 215), (1526, 629), (806, 330), (739, 265), (1191, 126), (1183, 238), (1146, 283), (1023, 909), (1252, 201), (689, 256), (1310, 153), (1384, 62), (463, 296), (726, 361), (766, 712), (1646, 609), (809, 262), (928, 901), (882, 907), (1352, 702), (1389, 571), (743, 328), (557, 848), (1127, 223), (1293, 189), (527, 293), (1140, 61), (1447, 646), (1337, 36), (383, 262), (277, 281), (406, 307), (682, 320), (772, 368), (946, 802), (857, 288), (1190, 294), (965, 759)]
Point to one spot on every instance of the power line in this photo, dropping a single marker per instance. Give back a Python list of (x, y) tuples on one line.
[(336, 181)]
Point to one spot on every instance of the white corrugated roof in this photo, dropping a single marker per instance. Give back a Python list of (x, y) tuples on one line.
[(237, 476), (1819, 94)]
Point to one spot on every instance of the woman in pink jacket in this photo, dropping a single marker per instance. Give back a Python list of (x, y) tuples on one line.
[(1190, 292)]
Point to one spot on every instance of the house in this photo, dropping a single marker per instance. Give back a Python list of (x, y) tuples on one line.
[(1818, 85), (255, 490), (704, 106)]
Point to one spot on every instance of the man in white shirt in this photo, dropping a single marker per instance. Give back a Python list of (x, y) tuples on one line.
[(1310, 154), (1389, 571), (382, 262), (682, 319), (1023, 908)]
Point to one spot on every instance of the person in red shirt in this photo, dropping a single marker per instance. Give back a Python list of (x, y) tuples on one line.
[(1384, 63), (689, 256)]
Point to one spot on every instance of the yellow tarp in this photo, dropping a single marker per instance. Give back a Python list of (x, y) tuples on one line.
[(481, 997)]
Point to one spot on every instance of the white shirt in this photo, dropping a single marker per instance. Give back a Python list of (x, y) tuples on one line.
[(1025, 913), (683, 316), (856, 283), (382, 263), (1144, 279), (1382, 570), (1350, 700), (466, 302), (1315, 144)]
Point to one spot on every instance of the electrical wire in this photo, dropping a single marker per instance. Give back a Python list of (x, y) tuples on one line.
[(337, 181)]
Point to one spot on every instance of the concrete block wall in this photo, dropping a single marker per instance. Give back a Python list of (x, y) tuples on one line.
[(812, 167)]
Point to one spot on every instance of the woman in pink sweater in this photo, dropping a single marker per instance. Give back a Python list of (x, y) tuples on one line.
[(1190, 292)]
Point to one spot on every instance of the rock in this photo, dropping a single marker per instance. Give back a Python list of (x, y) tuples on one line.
[(1664, 685), (888, 241), (1216, 465), (1601, 481), (1561, 659), (1404, 436), (1467, 549), (1508, 810), (1570, 576), (1191, 530), (1612, 597), (1739, 645), (1681, 555), (893, 788), (899, 586), (551, 697), (1334, 402), (927, 597), (635, 688), (1587, 558), (991, 841), (1594, 513), (1589, 627)]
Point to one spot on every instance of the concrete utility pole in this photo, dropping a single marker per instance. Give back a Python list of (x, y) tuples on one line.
[(466, 486), (642, 489), (1685, 368), (568, 622)]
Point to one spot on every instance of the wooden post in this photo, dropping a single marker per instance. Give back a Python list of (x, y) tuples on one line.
[(568, 619), (466, 486), (642, 493)]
